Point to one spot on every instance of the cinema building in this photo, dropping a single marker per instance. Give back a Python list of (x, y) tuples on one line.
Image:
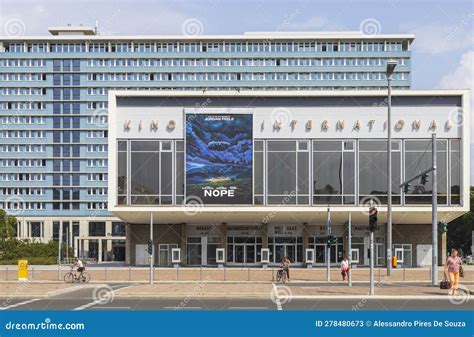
[(250, 170)]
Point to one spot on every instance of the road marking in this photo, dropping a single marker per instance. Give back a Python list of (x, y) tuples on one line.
[(277, 297), (182, 308), (247, 308), (112, 308), (19, 304), (87, 305)]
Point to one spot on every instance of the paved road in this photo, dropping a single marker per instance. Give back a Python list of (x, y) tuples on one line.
[(90, 299)]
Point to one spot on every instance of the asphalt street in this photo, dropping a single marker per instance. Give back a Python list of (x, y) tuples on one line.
[(91, 299)]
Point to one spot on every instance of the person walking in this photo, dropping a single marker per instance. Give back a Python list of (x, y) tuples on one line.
[(345, 268), (452, 266), (286, 267)]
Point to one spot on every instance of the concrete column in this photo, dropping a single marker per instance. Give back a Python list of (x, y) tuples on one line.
[(305, 237), (264, 235), (127, 244), (223, 235), (442, 249), (183, 244), (99, 253)]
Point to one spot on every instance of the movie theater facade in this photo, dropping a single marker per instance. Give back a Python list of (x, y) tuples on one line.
[(246, 171)]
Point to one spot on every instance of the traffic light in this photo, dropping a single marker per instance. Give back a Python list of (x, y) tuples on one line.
[(442, 227), (424, 179), (150, 247), (406, 187), (373, 219), (331, 240)]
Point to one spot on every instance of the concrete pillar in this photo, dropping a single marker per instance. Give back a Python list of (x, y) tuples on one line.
[(99, 253), (127, 244), (305, 237), (183, 244), (442, 248), (222, 228), (264, 235)]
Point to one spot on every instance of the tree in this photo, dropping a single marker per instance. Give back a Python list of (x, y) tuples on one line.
[(460, 230), (7, 225)]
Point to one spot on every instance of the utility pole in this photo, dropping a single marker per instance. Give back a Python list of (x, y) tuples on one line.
[(328, 247), (391, 64), (151, 249), (60, 237), (372, 227), (434, 215), (434, 206), (350, 249)]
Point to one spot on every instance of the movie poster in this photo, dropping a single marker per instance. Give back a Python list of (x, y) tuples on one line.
[(219, 158)]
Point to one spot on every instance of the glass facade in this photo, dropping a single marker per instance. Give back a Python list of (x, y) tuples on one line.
[(285, 175)]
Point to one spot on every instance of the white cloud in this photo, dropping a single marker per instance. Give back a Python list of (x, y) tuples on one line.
[(463, 77), (441, 38)]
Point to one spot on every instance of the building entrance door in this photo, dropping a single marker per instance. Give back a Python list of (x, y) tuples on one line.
[(283, 250), (320, 253)]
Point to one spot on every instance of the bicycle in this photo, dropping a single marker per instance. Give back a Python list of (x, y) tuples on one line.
[(74, 277), (281, 276)]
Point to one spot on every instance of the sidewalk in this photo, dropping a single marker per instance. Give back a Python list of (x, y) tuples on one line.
[(230, 274)]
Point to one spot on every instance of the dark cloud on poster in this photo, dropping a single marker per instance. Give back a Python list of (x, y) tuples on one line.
[(219, 158)]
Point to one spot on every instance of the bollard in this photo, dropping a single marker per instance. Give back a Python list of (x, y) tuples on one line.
[(404, 276), (6, 274), (379, 275), (225, 274), (273, 276), (105, 273), (248, 274), (200, 273), (32, 273), (129, 273)]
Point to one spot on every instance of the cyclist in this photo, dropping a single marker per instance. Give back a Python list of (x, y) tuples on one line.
[(80, 267)]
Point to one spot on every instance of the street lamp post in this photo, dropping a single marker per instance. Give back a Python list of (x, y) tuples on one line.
[(390, 69)]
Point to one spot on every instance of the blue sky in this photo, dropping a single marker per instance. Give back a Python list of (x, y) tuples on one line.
[(443, 52)]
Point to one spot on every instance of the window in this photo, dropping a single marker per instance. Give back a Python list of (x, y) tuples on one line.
[(96, 228), (287, 172), (418, 158), (334, 172), (455, 168), (373, 170), (36, 229)]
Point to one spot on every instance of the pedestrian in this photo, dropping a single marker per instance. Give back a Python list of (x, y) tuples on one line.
[(345, 268), (286, 267), (453, 266)]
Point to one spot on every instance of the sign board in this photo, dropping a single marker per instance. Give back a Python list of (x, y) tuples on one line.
[(22, 270), (219, 158)]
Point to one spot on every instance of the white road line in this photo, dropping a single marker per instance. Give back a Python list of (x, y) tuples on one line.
[(277, 297), (112, 308), (247, 308), (87, 305), (183, 308), (19, 304)]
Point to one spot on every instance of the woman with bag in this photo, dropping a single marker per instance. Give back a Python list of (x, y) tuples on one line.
[(453, 266)]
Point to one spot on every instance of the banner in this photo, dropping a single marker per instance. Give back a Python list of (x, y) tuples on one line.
[(219, 158)]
